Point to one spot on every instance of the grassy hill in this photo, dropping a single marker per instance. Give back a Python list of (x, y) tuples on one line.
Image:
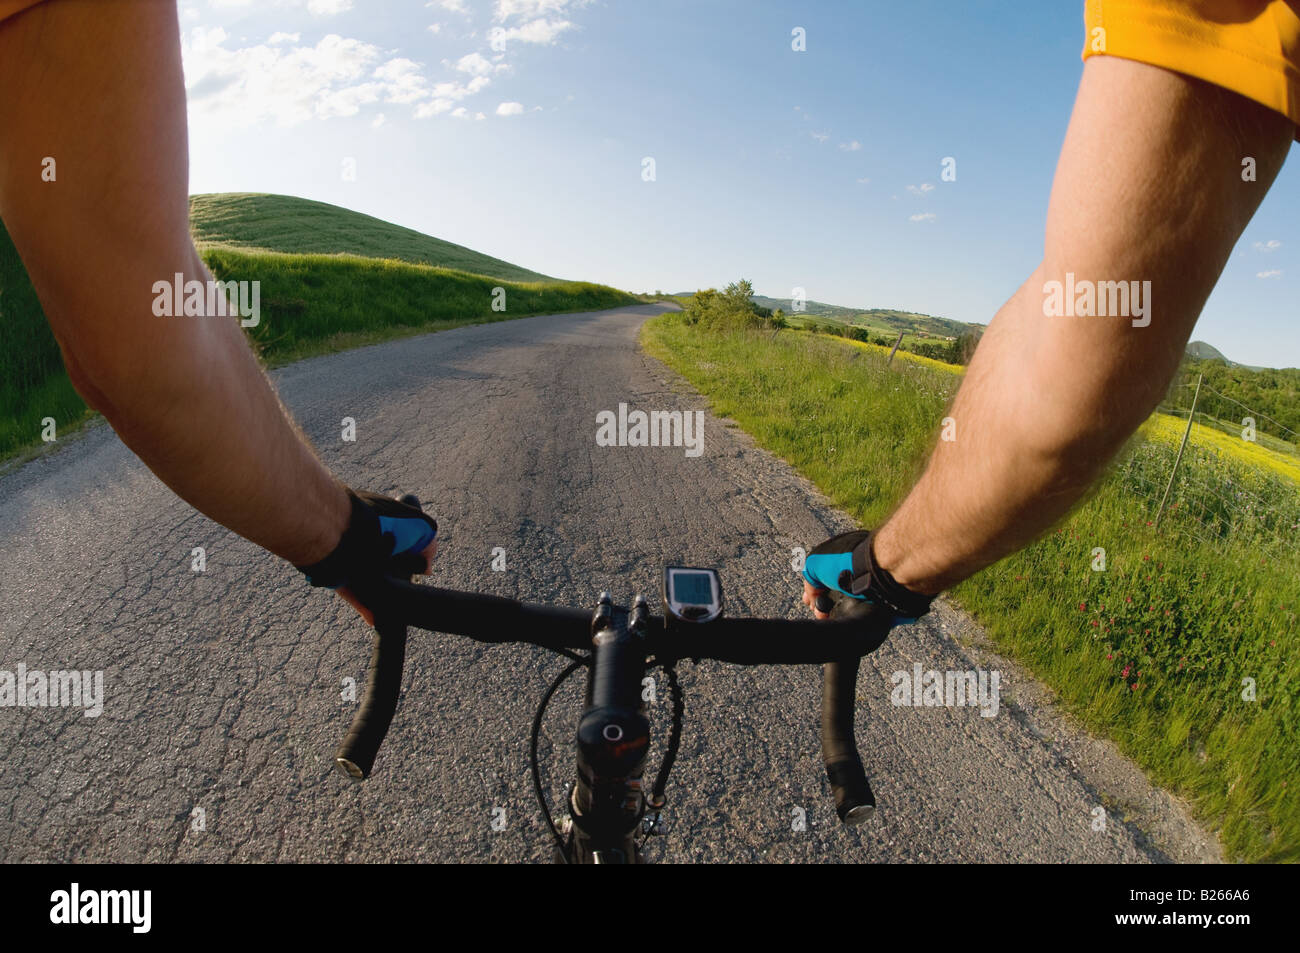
[(329, 279), (256, 221)]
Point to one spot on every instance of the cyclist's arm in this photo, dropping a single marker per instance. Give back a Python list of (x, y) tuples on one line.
[(98, 87), (1148, 187)]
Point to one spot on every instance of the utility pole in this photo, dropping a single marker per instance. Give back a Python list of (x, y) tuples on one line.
[(895, 350), (1181, 447)]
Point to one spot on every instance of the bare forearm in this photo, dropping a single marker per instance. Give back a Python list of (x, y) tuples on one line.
[(1032, 427), (1148, 193), (99, 88), (207, 421)]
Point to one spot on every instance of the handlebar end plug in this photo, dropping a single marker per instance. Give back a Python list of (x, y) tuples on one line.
[(350, 769), (857, 814)]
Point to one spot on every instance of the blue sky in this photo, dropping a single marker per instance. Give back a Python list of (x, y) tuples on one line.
[(519, 128)]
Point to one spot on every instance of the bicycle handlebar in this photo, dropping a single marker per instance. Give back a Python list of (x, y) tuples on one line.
[(839, 643)]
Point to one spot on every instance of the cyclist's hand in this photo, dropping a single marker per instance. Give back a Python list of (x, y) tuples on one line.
[(384, 538), (845, 564), (830, 566)]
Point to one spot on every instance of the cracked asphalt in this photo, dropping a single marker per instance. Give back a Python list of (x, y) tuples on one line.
[(224, 689)]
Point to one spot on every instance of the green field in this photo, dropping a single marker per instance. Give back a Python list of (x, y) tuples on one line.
[(1152, 651), (330, 279), (877, 331), (257, 222)]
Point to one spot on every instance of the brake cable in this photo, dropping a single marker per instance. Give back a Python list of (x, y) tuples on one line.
[(577, 663), (657, 799)]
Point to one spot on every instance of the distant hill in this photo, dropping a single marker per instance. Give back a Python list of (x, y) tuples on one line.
[(1200, 351), (255, 221)]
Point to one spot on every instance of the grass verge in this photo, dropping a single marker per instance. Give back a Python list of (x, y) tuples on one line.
[(1182, 649)]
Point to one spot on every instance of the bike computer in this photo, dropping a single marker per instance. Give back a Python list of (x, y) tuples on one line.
[(691, 594)]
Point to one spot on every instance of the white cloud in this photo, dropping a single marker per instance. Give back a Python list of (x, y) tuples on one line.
[(922, 217), (433, 107), (1271, 245), (378, 121), (853, 146), (403, 80), (820, 136), (286, 84), (328, 8), (478, 65), (292, 84), (863, 181), (535, 20), (524, 9), (921, 189), (284, 81), (457, 90), (1272, 273), (542, 32), (446, 95)]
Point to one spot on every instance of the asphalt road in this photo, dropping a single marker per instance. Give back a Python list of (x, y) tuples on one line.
[(222, 700)]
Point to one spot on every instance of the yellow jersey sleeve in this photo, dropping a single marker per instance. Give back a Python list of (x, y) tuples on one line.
[(1251, 47)]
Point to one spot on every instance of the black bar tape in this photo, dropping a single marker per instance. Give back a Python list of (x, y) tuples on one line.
[(844, 768), (356, 756)]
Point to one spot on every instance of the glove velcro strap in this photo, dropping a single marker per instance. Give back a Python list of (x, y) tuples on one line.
[(876, 583), (359, 547)]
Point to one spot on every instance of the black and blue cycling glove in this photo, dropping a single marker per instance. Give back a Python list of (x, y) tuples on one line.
[(846, 564), (384, 536)]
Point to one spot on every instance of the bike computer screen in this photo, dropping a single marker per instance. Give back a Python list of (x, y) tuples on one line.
[(692, 595)]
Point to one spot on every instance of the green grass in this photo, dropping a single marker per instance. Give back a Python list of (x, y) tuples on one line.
[(1193, 616), (314, 303), (283, 223), (22, 425)]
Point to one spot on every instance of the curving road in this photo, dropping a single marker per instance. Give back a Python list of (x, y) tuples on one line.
[(222, 699)]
